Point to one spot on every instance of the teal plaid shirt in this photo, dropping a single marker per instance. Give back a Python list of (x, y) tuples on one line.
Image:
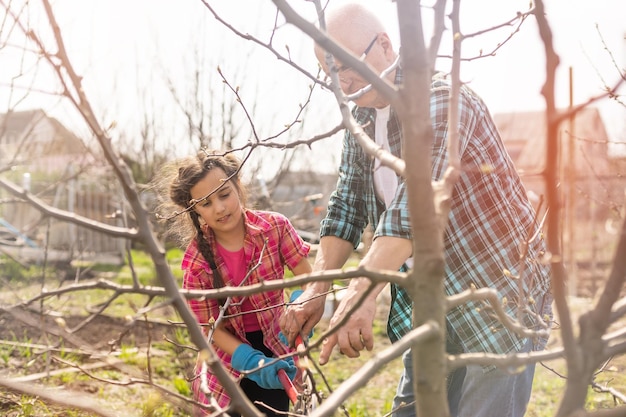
[(489, 219)]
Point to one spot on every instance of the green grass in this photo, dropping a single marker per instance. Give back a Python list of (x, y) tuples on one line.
[(173, 363), (374, 398), (371, 400), (547, 391), (550, 378), (27, 282)]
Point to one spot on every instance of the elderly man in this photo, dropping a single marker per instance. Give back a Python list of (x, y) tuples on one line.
[(489, 218)]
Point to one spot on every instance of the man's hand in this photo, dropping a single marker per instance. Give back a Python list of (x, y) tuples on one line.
[(303, 313), (356, 334)]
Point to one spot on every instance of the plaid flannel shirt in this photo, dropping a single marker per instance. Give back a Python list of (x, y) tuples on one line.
[(490, 218), (284, 247)]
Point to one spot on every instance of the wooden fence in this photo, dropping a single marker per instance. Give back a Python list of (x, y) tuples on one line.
[(37, 234)]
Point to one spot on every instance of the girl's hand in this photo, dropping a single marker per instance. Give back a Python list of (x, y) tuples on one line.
[(246, 358)]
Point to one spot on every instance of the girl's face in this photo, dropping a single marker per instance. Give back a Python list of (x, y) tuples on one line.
[(222, 211)]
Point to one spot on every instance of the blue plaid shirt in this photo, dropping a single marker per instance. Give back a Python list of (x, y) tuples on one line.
[(489, 219)]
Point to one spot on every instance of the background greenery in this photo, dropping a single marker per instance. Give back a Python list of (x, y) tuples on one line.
[(171, 359)]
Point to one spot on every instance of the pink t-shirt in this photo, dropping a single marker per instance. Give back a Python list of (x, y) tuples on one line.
[(236, 266)]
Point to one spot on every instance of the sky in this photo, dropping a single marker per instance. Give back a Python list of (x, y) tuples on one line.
[(129, 50)]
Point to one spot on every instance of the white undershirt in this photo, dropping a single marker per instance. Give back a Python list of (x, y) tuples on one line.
[(385, 179)]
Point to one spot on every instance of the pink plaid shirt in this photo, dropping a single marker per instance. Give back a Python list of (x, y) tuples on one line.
[(283, 248)]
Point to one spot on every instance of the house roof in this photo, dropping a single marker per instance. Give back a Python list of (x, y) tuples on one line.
[(22, 122), (44, 144), (524, 135), (16, 121)]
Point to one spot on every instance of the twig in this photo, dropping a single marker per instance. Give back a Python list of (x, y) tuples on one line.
[(65, 398), (72, 369)]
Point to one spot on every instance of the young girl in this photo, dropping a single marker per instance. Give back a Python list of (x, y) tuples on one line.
[(226, 244)]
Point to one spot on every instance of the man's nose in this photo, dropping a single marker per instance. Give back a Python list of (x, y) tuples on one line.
[(345, 80)]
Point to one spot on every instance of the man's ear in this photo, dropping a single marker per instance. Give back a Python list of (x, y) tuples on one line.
[(385, 43), (320, 55)]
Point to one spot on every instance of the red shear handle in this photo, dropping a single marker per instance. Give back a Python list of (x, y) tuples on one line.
[(299, 343), (291, 390), (292, 393)]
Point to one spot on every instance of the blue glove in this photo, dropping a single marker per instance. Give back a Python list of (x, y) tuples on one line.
[(283, 339), (245, 358), (295, 294)]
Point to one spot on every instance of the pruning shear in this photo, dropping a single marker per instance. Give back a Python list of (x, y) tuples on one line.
[(303, 397)]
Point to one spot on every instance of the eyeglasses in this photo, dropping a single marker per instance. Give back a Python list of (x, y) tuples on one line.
[(342, 69)]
